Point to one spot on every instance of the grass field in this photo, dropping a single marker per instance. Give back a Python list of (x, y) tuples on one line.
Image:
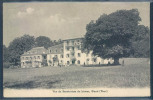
[(135, 73)]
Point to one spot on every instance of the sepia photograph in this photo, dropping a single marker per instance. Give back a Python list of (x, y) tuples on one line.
[(76, 49)]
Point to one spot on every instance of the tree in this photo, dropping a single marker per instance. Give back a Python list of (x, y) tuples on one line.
[(18, 46), (109, 36), (140, 42), (57, 42), (43, 41), (5, 54), (60, 41)]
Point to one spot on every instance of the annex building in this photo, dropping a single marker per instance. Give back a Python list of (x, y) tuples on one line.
[(64, 54), (36, 57)]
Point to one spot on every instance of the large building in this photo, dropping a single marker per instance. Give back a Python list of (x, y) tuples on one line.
[(69, 52), (64, 54), (36, 57)]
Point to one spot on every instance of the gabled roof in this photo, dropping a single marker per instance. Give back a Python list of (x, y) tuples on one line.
[(35, 51)]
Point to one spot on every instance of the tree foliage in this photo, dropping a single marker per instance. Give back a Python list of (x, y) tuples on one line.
[(22, 44), (5, 54), (140, 42), (43, 41), (18, 46), (57, 42), (109, 36)]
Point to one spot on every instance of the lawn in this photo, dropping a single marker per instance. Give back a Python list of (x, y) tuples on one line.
[(135, 73)]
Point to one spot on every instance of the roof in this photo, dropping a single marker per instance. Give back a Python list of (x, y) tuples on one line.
[(35, 51), (72, 39), (56, 49), (56, 46)]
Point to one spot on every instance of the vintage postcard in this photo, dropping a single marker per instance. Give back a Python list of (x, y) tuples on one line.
[(76, 49)]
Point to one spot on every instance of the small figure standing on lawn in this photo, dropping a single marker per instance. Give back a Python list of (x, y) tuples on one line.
[(123, 62)]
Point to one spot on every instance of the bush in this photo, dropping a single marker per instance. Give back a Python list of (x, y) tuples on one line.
[(44, 63), (6, 64)]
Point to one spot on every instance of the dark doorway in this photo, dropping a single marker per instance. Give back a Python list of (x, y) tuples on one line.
[(73, 62)]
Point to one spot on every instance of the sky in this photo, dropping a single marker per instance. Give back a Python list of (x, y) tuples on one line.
[(60, 20)]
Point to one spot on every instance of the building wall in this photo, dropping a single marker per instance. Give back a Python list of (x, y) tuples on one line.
[(72, 54), (55, 63), (55, 52), (71, 51), (81, 58), (32, 59), (36, 57)]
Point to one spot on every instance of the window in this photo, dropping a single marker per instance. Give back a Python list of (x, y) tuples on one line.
[(67, 42), (95, 59), (87, 59), (61, 50), (34, 57), (72, 54), (61, 61), (26, 58), (22, 58), (72, 42), (38, 57), (78, 47), (56, 50), (73, 48), (67, 48), (61, 56), (78, 61), (67, 55), (79, 55), (50, 51), (68, 62), (45, 57)]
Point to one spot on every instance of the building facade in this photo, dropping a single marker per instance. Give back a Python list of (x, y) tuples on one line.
[(64, 54), (69, 52), (36, 57), (55, 55)]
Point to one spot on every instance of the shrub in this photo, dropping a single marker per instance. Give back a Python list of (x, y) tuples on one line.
[(44, 63), (6, 65)]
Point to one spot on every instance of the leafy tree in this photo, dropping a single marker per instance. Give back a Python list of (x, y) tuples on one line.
[(109, 36), (55, 42), (43, 41), (18, 46), (60, 41), (5, 54), (140, 42)]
